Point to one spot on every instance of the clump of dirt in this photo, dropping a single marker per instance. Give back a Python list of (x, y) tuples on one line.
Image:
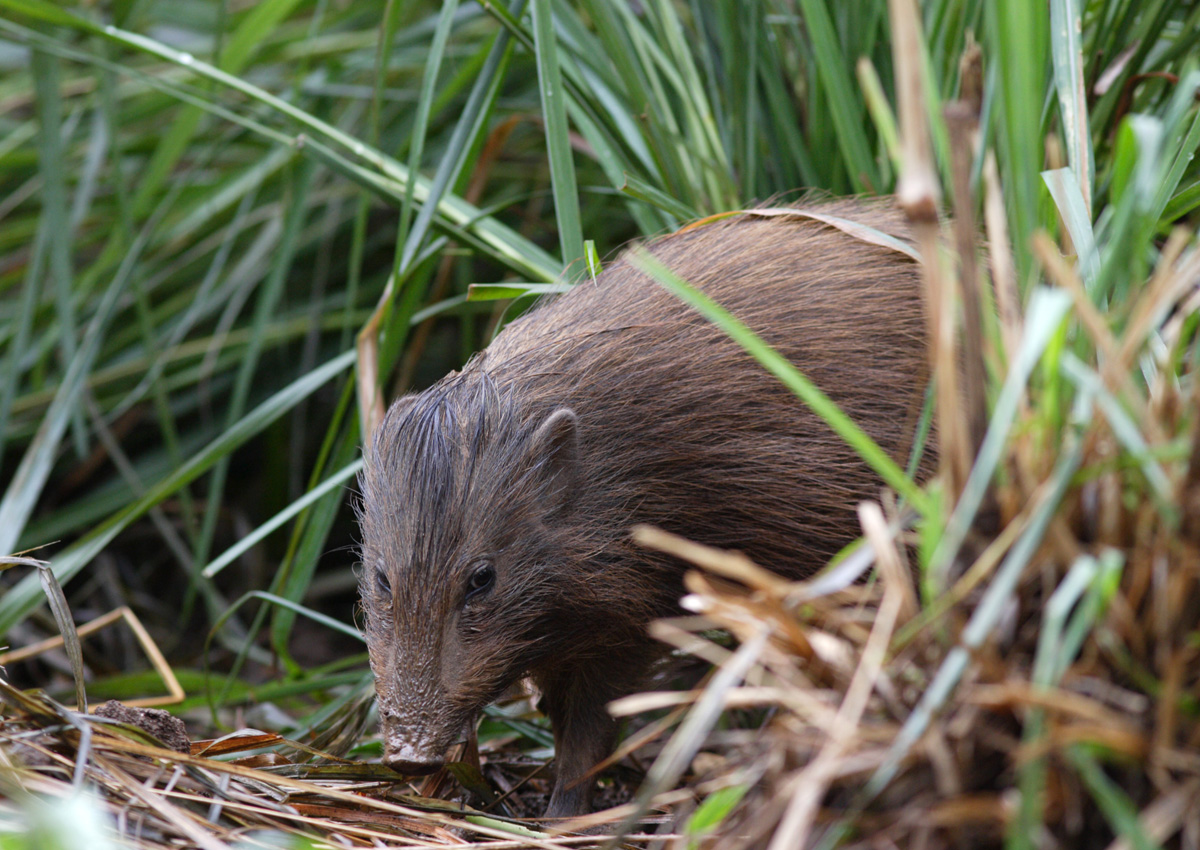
[(163, 725)]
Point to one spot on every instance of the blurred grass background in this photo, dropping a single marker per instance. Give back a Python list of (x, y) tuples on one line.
[(203, 203)]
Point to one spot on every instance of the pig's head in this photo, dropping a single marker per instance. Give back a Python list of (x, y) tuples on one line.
[(464, 514)]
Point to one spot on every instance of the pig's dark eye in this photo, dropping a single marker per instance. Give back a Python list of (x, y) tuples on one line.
[(483, 576), (382, 584)]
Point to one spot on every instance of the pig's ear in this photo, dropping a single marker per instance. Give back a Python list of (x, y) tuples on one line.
[(554, 458)]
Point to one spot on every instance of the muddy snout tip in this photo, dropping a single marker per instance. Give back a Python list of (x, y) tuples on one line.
[(409, 762)]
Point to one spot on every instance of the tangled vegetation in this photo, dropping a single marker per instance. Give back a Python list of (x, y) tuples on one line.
[(219, 220)]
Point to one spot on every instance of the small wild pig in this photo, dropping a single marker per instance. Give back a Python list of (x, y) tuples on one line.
[(496, 505)]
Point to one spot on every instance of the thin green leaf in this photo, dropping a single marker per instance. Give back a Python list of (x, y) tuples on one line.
[(844, 107), (1016, 42), (23, 597), (502, 291), (53, 170), (257, 535), (1052, 660), (264, 309), (1127, 432), (66, 627), (1073, 208), (1183, 151), (558, 141), (293, 580), (1044, 316), (715, 808), (387, 173), (1067, 53), (27, 483), (469, 127), (643, 191), (1114, 804), (881, 111), (1187, 200), (433, 64)]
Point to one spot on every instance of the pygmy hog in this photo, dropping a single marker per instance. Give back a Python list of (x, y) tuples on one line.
[(496, 505)]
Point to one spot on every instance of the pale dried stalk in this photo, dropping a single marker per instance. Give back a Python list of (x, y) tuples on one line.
[(1004, 277), (919, 195), (733, 565), (813, 782), (297, 786), (962, 123), (166, 673), (887, 558), (370, 393), (917, 190)]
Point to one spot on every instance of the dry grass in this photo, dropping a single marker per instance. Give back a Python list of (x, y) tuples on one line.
[(1018, 666), (1036, 685), (248, 789), (861, 734)]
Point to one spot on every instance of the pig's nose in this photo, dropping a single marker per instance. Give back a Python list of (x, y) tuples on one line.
[(409, 762)]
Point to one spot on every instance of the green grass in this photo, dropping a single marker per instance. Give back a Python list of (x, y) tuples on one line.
[(202, 204)]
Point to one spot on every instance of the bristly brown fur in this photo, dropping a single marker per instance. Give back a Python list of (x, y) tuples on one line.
[(660, 419)]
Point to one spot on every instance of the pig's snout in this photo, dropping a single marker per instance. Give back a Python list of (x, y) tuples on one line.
[(408, 760)]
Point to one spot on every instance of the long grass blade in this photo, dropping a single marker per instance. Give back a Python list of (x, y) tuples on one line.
[(558, 142), (1046, 311), (838, 84), (1066, 51), (21, 598), (25, 488)]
